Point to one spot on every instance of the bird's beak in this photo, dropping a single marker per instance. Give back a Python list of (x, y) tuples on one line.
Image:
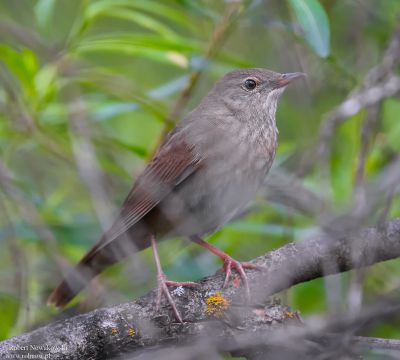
[(287, 78)]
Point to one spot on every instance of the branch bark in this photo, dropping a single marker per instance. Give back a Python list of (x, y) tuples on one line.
[(136, 325)]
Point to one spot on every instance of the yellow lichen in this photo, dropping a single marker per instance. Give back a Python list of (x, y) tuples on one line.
[(290, 314), (217, 304), (131, 332)]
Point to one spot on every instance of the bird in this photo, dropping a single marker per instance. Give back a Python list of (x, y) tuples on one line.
[(206, 172)]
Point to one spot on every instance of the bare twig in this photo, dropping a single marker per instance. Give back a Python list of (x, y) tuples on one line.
[(356, 101), (367, 132), (285, 189), (28, 212), (19, 262), (355, 292), (379, 83), (86, 159), (376, 343), (24, 36), (219, 35)]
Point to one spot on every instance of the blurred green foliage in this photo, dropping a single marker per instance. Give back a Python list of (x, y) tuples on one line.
[(90, 83)]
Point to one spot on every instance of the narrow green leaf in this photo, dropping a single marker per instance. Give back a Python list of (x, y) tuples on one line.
[(22, 64), (9, 305), (44, 80), (143, 20), (314, 23), (173, 51), (136, 149), (174, 14), (142, 41), (391, 124), (169, 57), (43, 12)]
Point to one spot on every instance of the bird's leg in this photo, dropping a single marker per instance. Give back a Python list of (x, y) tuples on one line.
[(163, 283), (229, 263)]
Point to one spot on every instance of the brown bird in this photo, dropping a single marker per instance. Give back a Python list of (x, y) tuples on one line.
[(206, 172)]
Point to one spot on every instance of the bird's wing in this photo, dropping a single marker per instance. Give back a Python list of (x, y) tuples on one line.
[(174, 161)]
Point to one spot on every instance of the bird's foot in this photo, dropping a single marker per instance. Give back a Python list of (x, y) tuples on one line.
[(230, 263), (162, 289)]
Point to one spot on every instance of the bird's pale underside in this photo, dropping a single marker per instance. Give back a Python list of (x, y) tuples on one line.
[(206, 172)]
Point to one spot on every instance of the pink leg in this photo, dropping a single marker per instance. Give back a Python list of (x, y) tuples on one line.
[(163, 283), (229, 263)]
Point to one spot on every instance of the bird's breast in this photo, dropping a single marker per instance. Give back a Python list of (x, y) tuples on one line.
[(226, 183)]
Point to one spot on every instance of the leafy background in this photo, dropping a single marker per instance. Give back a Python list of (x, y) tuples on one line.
[(86, 87)]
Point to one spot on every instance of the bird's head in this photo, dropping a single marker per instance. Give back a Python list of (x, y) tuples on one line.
[(253, 90)]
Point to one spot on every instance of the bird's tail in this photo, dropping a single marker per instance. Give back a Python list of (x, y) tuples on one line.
[(101, 256)]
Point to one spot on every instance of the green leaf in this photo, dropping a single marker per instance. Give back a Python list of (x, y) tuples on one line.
[(9, 314), (23, 65), (148, 46), (141, 151), (44, 81), (43, 12), (175, 15), (391, 124), (141, 19), (314, 23), (139, 40)]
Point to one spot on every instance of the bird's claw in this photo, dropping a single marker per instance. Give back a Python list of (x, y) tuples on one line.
[(230, 263), (162, 289)]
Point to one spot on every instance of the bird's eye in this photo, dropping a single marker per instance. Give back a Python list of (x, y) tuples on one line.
[(250, 84)]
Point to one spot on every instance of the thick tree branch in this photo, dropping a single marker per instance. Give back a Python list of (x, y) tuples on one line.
[(136, 325)]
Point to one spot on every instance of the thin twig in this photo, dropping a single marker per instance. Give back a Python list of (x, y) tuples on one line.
[(379, 83), (19, 262), (219, 35), (355, 288), (26, 209), (376, 343), (367, 132)]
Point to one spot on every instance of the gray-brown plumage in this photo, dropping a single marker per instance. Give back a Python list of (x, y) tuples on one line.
[(206, 172)]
